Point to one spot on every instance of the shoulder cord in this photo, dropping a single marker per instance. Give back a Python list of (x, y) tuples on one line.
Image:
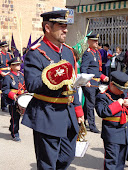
[(48, 58), (1, 58), (19, 88), (100, 61), (44, 54), (7, 60), (124, 109), (75, 63)]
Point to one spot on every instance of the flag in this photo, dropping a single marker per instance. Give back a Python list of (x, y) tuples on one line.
[(28, 46), (29, 42), (35, 41), (13, 45), (13, 42)]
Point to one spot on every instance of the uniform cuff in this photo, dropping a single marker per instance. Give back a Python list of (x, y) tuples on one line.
[(102, 77), (79, 111), (11, 95), (109, 55), (115, 107)]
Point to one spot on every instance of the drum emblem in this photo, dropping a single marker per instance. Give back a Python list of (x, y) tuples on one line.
[(59, 72)]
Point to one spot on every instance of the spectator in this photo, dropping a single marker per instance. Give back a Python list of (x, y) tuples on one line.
[(109, 55), (119, 61), (126, 62)]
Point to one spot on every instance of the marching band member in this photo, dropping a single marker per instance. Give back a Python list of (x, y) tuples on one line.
[(92, 64), (112, 106), (52, 116), (5, 56), (13, 85)]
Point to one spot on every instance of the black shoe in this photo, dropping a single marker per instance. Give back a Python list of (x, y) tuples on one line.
[(95, 130), (5, 109), (16, 139)]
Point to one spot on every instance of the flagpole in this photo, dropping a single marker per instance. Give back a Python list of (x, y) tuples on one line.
[(9, 34), (0, 32), (21, 35), (87, 27), (19, 27)]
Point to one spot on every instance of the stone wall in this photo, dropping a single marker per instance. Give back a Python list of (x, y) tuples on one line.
[(22, 18)]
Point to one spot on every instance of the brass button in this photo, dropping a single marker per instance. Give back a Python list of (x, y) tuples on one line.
[(126, 127)]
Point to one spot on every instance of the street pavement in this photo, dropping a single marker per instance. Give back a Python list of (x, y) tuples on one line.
[(21, 155)]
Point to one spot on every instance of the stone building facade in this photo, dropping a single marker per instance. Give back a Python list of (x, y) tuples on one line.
[(108, 18), (22, 18)]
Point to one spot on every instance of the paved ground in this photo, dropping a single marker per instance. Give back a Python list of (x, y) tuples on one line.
[(21, 156)]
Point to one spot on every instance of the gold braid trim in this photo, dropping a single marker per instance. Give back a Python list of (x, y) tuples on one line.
[(119, 85), (58, 20), (60, 85)]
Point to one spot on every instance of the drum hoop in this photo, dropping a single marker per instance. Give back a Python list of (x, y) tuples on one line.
[(25, 94)]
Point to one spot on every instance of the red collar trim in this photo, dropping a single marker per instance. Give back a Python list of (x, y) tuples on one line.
[(51, 45), (3, 53), (92, 50), (13, 72)]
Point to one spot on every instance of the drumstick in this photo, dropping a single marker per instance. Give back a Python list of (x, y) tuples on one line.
[(20, 88), (93, 86)]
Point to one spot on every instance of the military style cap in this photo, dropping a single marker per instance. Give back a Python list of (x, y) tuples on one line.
[(4, 43), (56, 16), (119, 79), (93, 36), (14, 60)]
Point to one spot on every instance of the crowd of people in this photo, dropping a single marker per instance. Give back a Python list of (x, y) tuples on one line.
[(113, 61), (55, 112)]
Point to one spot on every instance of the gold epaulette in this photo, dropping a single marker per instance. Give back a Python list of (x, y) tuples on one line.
[(5, 68), (9, 53), (88, 50)]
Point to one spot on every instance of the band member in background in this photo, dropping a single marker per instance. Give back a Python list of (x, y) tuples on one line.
[(112, 107), (13, 85), (52, 115), (92, 64), (109, 56), (104, 57), (5, 56)]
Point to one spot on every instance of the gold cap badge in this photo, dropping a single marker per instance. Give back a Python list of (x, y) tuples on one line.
[(126, 84), (18, 58), (66, 14), (97, 36)]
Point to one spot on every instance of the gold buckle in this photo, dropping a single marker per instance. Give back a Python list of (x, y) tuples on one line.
[(70, 98)]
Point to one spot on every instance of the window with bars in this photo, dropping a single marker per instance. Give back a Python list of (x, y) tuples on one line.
[(112, 30)]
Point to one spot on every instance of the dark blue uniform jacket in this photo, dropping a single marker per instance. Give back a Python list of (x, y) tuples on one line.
[(4, 58), (90, 64), (45, 117), (112, 131), (12, 81)]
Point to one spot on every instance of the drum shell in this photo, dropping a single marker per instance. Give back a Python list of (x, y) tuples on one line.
[(23, 101)]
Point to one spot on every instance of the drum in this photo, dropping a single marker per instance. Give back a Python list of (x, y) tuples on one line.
[(23, 101)]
